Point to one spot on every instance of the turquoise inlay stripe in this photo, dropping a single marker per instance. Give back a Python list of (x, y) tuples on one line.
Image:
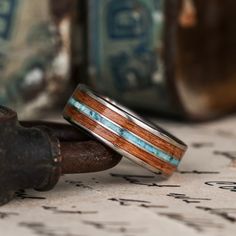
[(123, 132)]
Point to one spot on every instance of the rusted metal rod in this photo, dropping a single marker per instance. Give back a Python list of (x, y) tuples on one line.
[(80, 154), (88, 156)]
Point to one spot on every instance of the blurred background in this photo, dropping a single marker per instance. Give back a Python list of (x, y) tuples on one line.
[(174, 58)]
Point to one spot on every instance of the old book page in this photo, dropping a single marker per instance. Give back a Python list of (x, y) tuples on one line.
[(128, 200)]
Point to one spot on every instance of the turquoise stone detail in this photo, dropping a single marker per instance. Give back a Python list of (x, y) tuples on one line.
[(132, 138)]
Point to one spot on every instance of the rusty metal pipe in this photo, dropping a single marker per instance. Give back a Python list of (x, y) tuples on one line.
[(80, 154), (36, 156)]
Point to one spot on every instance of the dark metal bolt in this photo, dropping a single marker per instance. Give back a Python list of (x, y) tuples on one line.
[(36, 154)]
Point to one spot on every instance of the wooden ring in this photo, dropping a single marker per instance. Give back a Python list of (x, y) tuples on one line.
[(122, 130)]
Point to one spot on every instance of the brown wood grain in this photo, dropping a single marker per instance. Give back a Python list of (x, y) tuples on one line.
[(169, 148), (119, 142)]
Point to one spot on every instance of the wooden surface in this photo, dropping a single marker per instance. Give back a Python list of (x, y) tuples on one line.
[(120, 142)]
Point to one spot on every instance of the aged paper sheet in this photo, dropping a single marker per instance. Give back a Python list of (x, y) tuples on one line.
[(127, 200)]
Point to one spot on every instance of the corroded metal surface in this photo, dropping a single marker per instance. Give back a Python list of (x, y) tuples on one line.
[(87, 156), (29, 158), (36, 156)]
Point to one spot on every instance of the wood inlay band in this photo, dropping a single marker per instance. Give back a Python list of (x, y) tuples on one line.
[(131, 136), (79, 118)]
